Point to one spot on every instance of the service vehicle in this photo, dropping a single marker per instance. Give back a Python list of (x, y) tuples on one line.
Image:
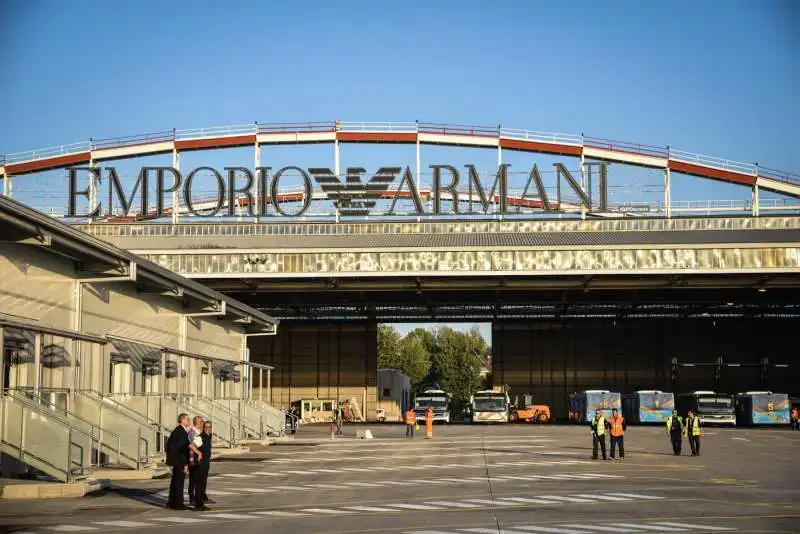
[(583, 404), (713, 408), (438, 400), (524, 410), (490, 407), (762, 408), (647, 406)]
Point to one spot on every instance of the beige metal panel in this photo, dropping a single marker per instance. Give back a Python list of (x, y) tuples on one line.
[(209, 337), (36, 286), (674, 259), (118, 310)]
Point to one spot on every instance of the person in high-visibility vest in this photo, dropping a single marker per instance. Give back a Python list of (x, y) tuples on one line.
[(618, 428), (411, 421), (599, 424), (429, 423), (675, 431), (693, 431), (794, 419)]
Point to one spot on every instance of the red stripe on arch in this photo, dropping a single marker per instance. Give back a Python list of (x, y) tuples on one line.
[(711, 172), (47, 164), (537, 146)]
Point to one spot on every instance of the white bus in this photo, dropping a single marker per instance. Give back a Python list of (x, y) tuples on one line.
[(437, 400), (490, 407)]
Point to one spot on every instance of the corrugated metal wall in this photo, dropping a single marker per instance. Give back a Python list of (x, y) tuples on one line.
[(554, 358), (320, 360)]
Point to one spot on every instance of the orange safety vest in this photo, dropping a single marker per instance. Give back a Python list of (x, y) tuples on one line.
[(794, 413), (616, 425), (411, 417), (429, 417)]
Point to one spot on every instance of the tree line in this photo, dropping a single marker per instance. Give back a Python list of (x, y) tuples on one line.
[(436, 358)]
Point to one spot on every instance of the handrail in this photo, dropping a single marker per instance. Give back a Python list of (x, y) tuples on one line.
[(47, 413), (423, 127), (30, 395), (624, 146)]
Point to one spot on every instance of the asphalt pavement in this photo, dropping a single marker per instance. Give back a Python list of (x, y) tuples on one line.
[(468, 479)]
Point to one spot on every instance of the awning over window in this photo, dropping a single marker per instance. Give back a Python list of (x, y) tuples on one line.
[(141, 357), (55, 356), (19, 345), (225, 371)]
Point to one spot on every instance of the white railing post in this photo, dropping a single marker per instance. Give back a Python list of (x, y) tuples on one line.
[(755, 195)]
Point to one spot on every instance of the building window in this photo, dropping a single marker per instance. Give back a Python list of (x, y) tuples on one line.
[(387, 392)]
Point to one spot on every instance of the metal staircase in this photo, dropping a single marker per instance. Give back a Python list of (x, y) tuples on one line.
[(46, 444)]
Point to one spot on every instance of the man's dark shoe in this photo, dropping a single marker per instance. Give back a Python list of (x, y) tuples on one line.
[(207, 500), (201, 508), (178, 507)]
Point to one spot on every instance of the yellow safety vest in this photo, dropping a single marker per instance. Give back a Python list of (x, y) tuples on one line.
[(669, 423), (695, 426), (600, 425)]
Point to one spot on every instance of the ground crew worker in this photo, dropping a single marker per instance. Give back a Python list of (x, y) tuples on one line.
[(617, 429), (429, 423), (411, 420), (599, 424), (693, 432), (675, 432), (794, 419)]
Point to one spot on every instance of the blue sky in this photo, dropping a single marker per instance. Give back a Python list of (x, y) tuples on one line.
[(717, 77)]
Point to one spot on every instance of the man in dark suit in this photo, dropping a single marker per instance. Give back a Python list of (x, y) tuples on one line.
[(178, 458)]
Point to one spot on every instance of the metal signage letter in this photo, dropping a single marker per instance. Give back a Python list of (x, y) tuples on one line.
[(437, 187), (73, 191)]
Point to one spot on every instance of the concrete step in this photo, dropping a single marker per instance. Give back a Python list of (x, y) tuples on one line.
[(37, 489)]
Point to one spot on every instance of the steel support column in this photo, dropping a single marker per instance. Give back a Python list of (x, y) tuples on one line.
[(92, 189), (583, 184), (256, 185), (667, 193), (419, 168), (176, 164), (37, 363), (7, 185), (336, 163)]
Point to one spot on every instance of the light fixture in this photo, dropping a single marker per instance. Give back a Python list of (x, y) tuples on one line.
[(762, 289)]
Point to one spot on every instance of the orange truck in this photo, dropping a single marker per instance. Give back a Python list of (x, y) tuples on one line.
[(528, 412)]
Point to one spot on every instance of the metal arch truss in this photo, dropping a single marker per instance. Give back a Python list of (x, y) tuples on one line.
[(498, 137)]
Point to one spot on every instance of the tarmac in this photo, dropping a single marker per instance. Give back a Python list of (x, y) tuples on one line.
[(469, 479)]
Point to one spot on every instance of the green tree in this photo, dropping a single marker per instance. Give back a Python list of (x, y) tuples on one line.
[(414, 359), (388, 347), (455, 365)]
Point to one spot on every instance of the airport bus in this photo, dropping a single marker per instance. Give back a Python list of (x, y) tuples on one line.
[(583, 404), (762, 408), (490, 407), (713, 408), (647, 406), (439, 401)]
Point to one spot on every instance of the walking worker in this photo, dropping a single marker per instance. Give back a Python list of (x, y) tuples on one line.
[(599, 424), (794, 419), (675, 432), (617, 427), (693, 432), (429, 423), (177, 449), (411, 420)]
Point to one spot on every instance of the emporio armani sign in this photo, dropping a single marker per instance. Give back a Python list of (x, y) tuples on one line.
[(257, 192)]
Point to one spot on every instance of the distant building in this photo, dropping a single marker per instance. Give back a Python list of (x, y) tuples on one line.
[(394, 393)]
